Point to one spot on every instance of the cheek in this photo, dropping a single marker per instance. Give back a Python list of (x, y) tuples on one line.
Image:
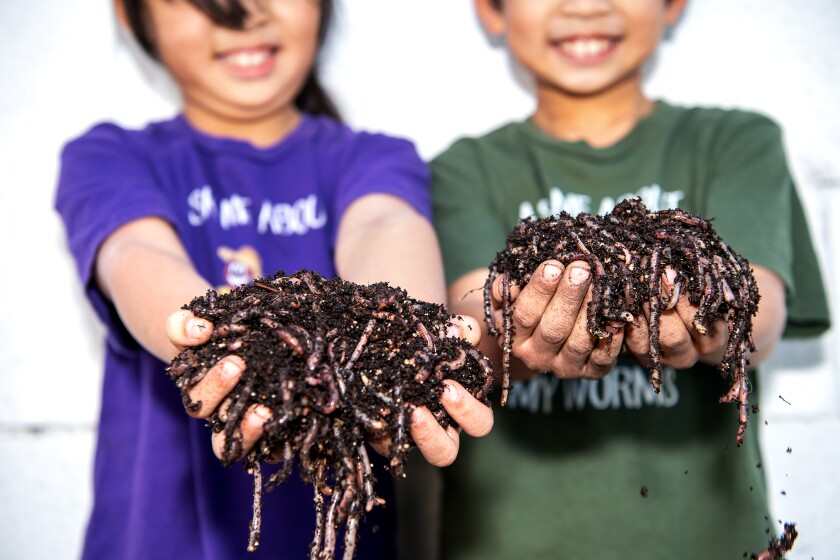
[(299, 22), (648, 29), (184, 46), (184, 63), (306, 31), (524, 43)]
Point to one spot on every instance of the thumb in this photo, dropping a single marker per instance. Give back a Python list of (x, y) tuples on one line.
[(464, 327), (185, 329)]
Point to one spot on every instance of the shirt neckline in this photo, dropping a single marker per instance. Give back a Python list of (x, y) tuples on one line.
[(629, 141), (221, 144)]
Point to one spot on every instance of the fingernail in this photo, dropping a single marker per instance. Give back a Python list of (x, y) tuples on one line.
[(614, 326), (196, 327), (263, 412), (230, 369), (551, 272), (579, 276), (450, 393), (453, 331), (416, 415)]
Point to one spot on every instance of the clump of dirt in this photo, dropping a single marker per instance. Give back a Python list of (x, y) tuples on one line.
[(628, 251), (337, 364), (779, 547)]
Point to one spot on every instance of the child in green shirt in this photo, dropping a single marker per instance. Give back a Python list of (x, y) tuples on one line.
[(586, 461)]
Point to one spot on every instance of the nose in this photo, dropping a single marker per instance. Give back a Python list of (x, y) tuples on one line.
[(586, 8)]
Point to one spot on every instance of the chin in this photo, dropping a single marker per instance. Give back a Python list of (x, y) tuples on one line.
[(256, 106)]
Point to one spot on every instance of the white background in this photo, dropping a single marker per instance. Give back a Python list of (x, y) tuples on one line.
[(421, 69)]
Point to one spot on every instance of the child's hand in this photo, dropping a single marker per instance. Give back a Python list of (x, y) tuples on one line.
[(551, 333), (550, 323), (185, 329), (682, 345), (440, 446)]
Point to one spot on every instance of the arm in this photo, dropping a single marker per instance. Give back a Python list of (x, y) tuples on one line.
[(383, 239), (145, 271)]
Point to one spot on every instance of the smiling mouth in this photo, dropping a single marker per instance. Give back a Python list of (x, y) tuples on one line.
[(248, 58), (586, 48)]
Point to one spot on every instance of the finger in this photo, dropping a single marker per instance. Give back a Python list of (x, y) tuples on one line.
[(464, 327), (710, 345), (675, 341), (497, 292), (253, 425), (250, 430), (566, 313), (438, 446), (575, 351), (562, 343), (216, 384), (474, 417), (536, 296), (637, 340), (185, 329), (498, 299), (604, 356)]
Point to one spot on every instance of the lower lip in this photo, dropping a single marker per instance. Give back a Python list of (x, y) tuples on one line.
[(588, 58), (251, 72)]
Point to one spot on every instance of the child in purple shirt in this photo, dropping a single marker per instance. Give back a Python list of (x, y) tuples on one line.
[(257, 174)]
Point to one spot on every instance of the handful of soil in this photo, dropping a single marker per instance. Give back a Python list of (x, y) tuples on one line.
[(336, 363), (627, 251)]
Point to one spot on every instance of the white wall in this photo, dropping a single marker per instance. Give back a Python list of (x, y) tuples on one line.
[(420, 69)]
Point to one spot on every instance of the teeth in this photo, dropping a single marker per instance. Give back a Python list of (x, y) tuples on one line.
[(585, 47), (247, 59)]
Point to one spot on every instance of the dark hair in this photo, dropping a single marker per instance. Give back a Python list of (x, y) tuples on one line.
[(311, 98)]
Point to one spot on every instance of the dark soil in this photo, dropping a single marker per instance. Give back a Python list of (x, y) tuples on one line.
[(779, 547), (628, 250), (337, 363)]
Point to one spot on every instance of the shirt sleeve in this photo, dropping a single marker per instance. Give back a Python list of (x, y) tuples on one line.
[(375, 163), (103, 184), (756, 209), (469, 228)]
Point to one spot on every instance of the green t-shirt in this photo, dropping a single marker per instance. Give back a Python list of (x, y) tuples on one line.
[(609, 469)]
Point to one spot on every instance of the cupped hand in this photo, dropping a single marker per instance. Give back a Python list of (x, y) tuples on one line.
[(681, 344), (185, 329), (549, 322), (439, 445)]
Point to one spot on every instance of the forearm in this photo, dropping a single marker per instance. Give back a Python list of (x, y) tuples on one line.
[(382, 239), (146, 273)]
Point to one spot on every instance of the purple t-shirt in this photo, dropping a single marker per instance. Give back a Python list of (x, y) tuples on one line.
[(241, 212)]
